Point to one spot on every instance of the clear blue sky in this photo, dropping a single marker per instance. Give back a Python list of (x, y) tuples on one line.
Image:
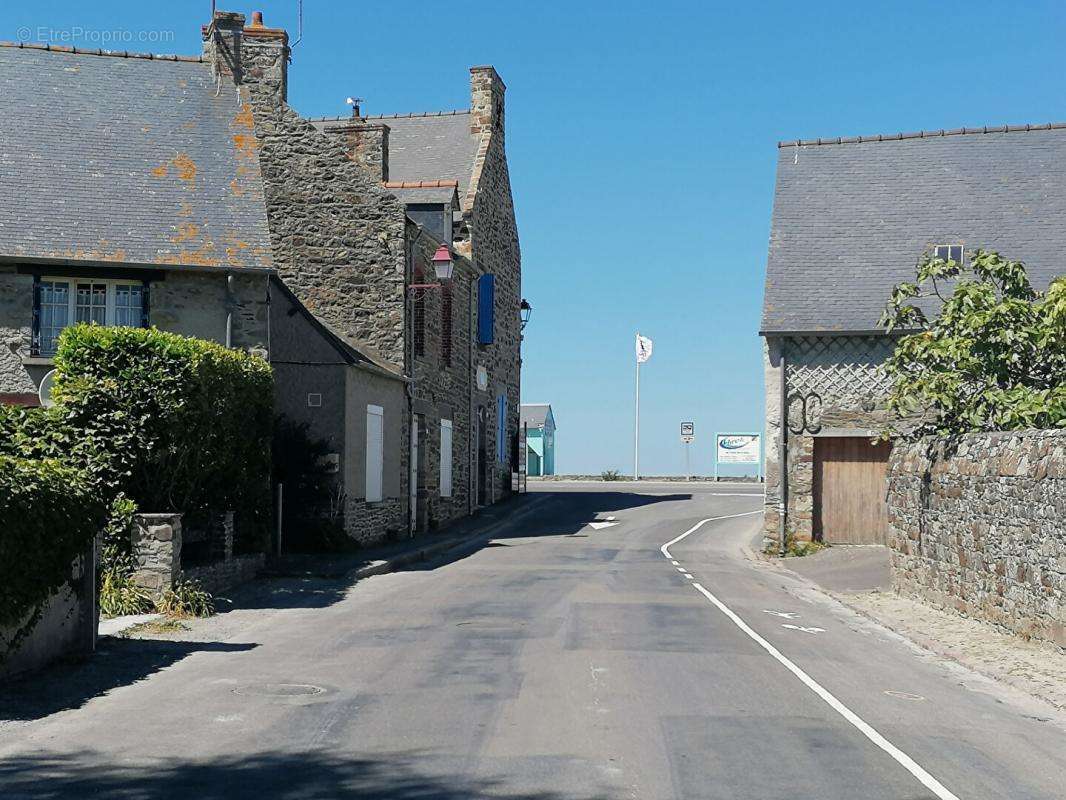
[(642, 142)]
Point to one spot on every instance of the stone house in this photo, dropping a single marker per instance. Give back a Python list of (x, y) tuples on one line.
[(349, 401), (186, 203), (148, 207), (358, 207), (851, 217)]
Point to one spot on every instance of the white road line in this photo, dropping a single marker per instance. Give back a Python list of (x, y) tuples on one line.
[(905, 761)]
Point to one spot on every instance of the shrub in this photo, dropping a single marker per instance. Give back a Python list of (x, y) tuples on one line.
[(119, 594), (173, 423), (48, 517), (610, 475), (994, 356), (185, 599)]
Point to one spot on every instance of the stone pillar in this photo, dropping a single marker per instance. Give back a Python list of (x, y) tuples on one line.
[(156, 540), (220, 533), (772, 378)]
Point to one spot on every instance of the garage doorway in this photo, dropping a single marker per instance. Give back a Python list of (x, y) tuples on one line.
[(850, 480)]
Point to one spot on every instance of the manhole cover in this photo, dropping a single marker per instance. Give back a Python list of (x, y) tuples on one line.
[(279, 689)]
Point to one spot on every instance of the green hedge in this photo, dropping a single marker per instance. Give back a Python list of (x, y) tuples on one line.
[(176, 424), (167, 422), (48, 517)]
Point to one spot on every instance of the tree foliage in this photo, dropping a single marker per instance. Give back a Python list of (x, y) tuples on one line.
[(993, 357)]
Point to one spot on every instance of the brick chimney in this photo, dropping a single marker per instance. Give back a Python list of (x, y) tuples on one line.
[(486, 101), (254, 55)]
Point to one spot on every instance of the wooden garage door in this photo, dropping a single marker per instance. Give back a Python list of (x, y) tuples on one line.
[(849, 490)]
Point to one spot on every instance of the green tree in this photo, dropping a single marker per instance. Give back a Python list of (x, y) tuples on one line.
[(992, 358)]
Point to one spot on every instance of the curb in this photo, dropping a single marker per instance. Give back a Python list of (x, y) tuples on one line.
[(437, 548)]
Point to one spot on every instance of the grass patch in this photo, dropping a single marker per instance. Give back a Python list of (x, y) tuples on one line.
[(794, 549), (154, 628)]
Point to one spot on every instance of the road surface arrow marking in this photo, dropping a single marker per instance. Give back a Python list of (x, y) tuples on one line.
[(601, 525), (784, 614), (805, 630)]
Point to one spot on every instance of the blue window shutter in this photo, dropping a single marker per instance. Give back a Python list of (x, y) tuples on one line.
[(486, 309)]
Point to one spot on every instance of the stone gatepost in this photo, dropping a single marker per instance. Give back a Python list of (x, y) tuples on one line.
[(220, 534), (156, 540)]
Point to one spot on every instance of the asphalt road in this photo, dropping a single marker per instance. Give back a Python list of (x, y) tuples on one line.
[(561, 659)]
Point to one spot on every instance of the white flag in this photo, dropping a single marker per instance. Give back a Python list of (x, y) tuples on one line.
[(643, 348)]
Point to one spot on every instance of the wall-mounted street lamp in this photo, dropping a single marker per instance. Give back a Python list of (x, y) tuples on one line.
[(443, 266), (442, 263), (525, 312)]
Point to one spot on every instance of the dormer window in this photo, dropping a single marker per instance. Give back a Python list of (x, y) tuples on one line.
[(949, 252), (435, 218)]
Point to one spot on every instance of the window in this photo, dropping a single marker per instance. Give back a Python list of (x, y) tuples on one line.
[(59, 302), (501, 428), (446, 325), (375, 452), (949, 252), (445, 458)]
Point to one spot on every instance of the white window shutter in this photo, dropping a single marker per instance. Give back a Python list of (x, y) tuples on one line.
[(375, 452), (445, 458)]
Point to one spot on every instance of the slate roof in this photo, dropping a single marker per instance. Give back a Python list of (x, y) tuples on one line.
[(432, 146), (134, 160), (850, 219), (534, 414)]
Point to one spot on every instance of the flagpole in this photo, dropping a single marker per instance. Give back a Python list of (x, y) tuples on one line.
[(636, 426)]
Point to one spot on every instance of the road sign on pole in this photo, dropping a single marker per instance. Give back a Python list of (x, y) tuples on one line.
[(688, 429)]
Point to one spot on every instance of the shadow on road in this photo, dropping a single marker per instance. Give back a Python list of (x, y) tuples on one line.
[(117, 662), (566, 514), (278, 775)]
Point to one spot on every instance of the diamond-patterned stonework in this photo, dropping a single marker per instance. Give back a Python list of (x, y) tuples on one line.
[(846, 371)]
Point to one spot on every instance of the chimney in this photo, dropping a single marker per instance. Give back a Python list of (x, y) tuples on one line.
[(486, 101), (367, 143), (254, 56)]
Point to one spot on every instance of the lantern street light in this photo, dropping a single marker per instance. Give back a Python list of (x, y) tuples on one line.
[(443, 266), (442, 263), (525, 312)]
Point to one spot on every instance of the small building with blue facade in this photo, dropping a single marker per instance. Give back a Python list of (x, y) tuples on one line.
[(539, 424)]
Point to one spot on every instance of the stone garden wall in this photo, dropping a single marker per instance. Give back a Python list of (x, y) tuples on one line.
[(979, 526)]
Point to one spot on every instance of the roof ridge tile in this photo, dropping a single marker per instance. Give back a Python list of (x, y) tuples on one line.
[(923, 134), (88, 51)]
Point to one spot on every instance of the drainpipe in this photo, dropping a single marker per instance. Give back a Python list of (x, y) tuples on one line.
[(229, 310), (782, 452)]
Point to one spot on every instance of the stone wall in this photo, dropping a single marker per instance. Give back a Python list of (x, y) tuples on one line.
[(979, 526), (835, 385), (67, 627), (223, 575), (373, 523), (442, 390), (157, 544), (493, 247)]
